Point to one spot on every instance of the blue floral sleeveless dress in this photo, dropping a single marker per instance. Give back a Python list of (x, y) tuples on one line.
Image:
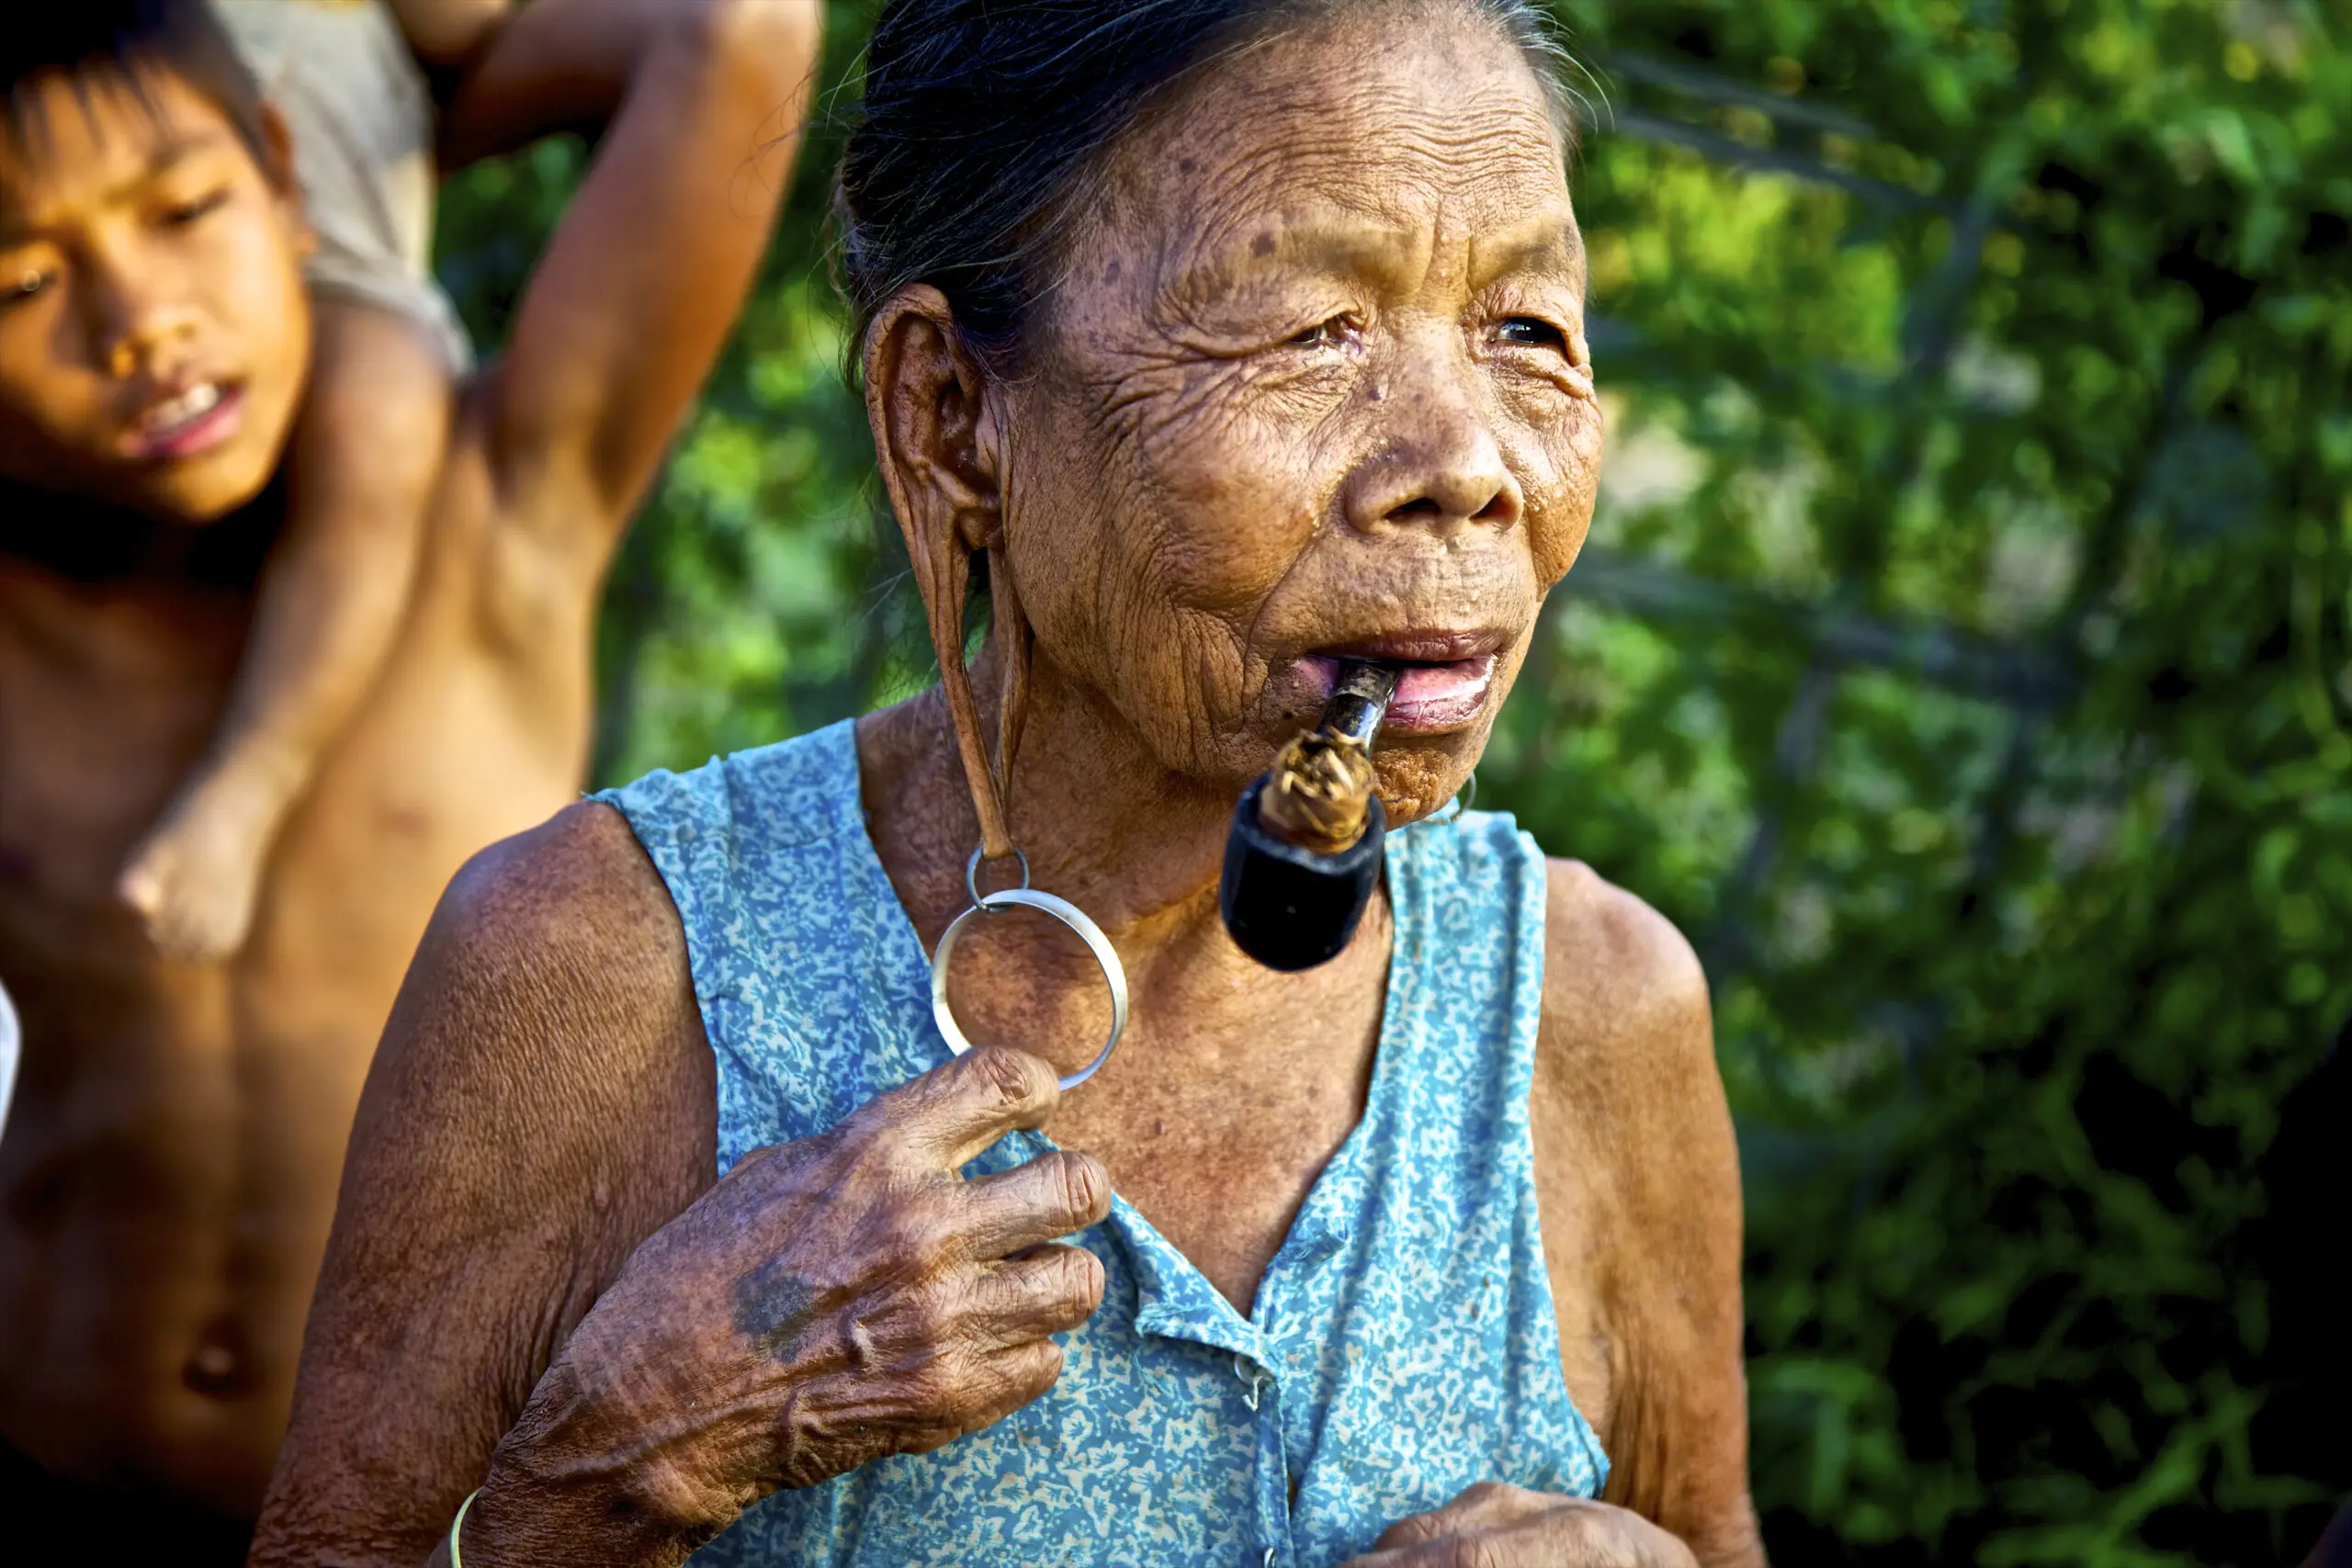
[(1402, 1346)]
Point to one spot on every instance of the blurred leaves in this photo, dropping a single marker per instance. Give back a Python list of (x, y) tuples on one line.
[(1960, 657)]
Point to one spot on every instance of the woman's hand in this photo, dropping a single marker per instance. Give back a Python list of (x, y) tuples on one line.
[(831, 1302), (1494, 1526)]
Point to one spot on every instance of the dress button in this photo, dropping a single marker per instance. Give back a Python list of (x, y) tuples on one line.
[(1249, 1373)]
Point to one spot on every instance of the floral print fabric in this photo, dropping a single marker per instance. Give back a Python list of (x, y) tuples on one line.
[(1402, 1346)]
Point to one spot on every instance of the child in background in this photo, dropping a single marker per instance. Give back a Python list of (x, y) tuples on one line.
[(345, 77)]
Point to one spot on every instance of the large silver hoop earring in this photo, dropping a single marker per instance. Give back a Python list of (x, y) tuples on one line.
[(11, 1042), (1026, 898)]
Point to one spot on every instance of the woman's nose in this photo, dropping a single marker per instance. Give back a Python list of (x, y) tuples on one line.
[(1439, 468)]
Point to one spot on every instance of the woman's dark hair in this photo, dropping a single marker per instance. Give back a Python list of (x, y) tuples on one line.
[(77, 38), (984, 121)]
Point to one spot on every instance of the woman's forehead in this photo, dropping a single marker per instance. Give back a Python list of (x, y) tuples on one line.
[(1532, 242), (1353, 132)]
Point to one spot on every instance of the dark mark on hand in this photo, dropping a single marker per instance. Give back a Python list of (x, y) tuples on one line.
[(773, 1307)]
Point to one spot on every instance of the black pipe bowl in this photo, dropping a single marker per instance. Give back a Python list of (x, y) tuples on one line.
[(1291, 908)]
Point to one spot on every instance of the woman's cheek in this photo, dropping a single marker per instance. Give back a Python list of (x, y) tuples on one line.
[(1237, 501), (1160, 550), (1560, 510), (1232, 496)]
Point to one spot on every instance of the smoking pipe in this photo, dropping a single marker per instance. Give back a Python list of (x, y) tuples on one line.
[(1304, 852)]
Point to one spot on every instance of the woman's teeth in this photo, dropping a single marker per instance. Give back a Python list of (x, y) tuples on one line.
[(1431, 695)]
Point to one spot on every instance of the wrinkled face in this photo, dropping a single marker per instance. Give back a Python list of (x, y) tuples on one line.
[(1317, 386), (154, 335)]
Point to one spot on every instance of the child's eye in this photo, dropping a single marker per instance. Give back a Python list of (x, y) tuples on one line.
[(23, 283), (1527, 331), (180, 214)]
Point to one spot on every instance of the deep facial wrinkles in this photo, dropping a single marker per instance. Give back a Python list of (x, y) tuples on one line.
[(1190, 511)]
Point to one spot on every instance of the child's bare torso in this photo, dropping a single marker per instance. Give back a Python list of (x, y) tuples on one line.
[(169, 1170)]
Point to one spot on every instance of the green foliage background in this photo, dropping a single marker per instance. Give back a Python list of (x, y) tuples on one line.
[(1961, 659)]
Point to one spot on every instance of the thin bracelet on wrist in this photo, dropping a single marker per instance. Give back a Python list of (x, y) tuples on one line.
[(457, 1524)]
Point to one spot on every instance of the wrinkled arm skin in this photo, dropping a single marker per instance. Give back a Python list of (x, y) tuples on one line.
[(535, 1286), (1637, 1178), (544, 1099)]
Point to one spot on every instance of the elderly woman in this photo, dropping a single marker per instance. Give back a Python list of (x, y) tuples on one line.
[(1219, 341)]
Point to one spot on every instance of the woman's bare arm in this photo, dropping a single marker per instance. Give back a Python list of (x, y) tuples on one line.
[(1637, 1163), (535, 1286), (542, 1102)]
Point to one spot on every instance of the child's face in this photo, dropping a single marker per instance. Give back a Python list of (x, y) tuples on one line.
[(155, 333)]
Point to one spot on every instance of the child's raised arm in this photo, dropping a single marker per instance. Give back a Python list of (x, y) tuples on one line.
[(448, 32), (648, 269)]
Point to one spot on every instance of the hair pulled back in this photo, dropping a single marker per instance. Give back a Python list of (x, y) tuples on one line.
[(984, 121)]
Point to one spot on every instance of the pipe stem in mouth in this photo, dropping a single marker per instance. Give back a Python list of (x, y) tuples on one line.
[(1319, 796)]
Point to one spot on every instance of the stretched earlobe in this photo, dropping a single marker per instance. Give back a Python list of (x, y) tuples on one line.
[(1009, 624), (924, 396), (923, 392)]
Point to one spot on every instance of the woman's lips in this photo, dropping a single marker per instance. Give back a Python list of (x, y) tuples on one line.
[(1430, 698)]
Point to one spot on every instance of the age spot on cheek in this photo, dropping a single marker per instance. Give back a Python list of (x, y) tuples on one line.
[(773, 1307)]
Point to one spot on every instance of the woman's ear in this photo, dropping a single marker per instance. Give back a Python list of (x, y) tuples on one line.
[(925, 398)]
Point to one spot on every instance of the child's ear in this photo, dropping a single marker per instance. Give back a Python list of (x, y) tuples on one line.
[(277, 168)]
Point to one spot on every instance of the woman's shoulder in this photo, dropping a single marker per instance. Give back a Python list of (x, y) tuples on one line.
[(1628, 1101), (561, 945), (1637, 1176), (551, 991), (577, 887), (1619, 979)]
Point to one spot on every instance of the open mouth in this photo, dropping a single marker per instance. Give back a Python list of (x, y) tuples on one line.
[(184, 422), (1446, 677)]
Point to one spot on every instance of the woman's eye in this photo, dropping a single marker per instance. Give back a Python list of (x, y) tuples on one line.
[(23, 283), (1322, 334), (1527, 331)]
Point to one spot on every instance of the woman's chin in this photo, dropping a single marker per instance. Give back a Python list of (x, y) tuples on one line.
[(1418, 776)]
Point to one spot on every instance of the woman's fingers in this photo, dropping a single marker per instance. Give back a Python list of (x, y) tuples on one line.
[(1024, 1299), (1058, 1193), (1018, 1374), (1520, 1546), (997, 1385), (949, 1114), (1486, 1506), (1496, 1526)]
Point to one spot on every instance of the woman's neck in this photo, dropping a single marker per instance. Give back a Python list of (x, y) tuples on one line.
[(1104, 823), (1235, 1079)]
